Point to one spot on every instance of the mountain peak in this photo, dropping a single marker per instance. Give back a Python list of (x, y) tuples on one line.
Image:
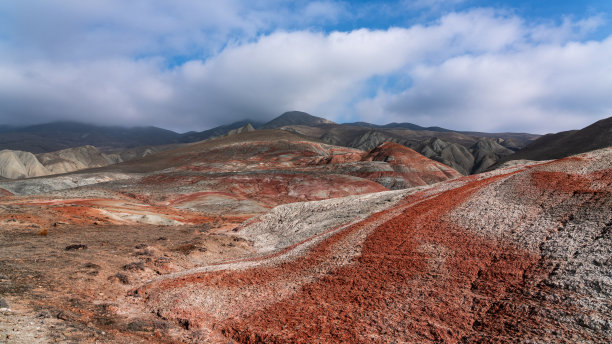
[(295, 118)]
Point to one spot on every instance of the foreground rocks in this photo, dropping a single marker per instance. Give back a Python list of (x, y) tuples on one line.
[(4, 306)]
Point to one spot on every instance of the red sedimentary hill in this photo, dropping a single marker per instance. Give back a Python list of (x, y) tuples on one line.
[(239, 175), (391, 165), (515, 255), (409, 167)]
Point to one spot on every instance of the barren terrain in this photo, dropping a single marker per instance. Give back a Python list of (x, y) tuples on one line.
[(267, 236)]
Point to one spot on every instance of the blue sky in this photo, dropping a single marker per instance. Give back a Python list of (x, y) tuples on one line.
[(540, 66)]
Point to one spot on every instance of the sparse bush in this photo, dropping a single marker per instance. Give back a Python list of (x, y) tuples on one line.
[(135, 266), (75, 247), (187, 248), (145, 253), (123, 278)]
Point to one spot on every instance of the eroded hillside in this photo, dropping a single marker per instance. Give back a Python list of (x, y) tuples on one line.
[(516, 254), (268, 236)]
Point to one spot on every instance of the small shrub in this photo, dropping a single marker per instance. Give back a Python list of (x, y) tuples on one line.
[(92, 266), (123, 278), (75, 247), (135, 266)]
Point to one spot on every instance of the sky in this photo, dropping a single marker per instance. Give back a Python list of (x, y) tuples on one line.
[(525, 66)]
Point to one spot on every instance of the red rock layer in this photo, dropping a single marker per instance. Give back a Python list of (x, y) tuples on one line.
[(418, 278), (268, 189), (407, 167)]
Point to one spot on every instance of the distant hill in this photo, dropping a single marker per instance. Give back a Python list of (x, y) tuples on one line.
[(566, 143), (56, 136), (295, 118), (394, 125), (194, 136), (467, 152), (51, 137)]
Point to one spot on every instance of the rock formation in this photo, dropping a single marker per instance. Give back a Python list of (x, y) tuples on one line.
[(74, 159), (487, 152), (18, 164), (247, 128)]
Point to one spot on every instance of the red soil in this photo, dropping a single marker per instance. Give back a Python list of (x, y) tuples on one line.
[(395, 153), (270, 189), (419, 278), (4, 192), (562, 182)]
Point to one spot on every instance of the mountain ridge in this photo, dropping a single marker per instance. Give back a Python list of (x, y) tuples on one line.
[(566, 143)]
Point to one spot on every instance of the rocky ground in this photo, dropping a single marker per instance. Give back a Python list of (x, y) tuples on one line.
[(259, 242), (69, 285), (513, 256)]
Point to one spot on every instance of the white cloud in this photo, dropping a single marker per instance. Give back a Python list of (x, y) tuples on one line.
[(544, 88), (478, 70), (69, 30)]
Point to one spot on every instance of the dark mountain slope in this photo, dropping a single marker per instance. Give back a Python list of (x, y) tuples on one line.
[(395, 125), (194, 136), (566, 143), (51, 137), (459, 150), (295, 118)]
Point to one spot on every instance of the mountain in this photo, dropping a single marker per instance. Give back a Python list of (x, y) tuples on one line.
[(452, 154), (295, 118), (19, 164), (391, 165), (221, 130), (273, 236), (466, 154), (395, 125), (555, 146), (487, 152), (138, 152), (51, 137), (461, 150), (409, 168), (56, 136), (512, 141)]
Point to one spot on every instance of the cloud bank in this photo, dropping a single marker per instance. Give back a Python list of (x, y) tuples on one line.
[(190, 65)]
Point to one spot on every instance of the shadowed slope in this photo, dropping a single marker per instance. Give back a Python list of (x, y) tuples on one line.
[(555, 146)]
